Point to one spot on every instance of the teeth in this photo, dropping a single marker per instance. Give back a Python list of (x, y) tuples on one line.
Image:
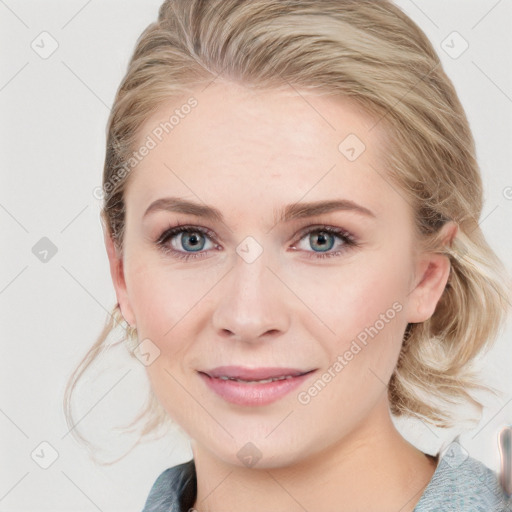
[(264, 381)]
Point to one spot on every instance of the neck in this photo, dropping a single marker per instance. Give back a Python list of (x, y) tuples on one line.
[(373, 468)]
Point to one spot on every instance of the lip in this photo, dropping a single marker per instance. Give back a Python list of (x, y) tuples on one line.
[(239, 372), (251, 393)]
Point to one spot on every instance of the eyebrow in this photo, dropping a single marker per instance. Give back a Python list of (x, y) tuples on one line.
[(288, 213)]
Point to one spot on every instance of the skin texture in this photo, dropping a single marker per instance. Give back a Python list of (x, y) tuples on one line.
[(249, 154)]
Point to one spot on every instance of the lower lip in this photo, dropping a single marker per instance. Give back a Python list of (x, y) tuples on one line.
[(241, 393)]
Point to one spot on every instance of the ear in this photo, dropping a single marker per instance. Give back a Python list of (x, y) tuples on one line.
[(432, 272), (117, 273)]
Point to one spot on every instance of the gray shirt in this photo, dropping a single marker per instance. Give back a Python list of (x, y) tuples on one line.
[(460, 483)]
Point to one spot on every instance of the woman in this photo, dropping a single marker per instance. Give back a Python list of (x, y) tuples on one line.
[(291, 218)]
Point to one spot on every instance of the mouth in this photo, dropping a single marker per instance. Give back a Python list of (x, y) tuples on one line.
[(258, 381), (253, 387), (257, 375)]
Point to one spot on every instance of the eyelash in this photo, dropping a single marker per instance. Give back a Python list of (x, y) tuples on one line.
[(348, 239)]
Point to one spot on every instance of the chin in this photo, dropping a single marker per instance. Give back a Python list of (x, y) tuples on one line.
[(258, 454)]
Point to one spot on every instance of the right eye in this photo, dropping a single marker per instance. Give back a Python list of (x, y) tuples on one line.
[(184, 242)]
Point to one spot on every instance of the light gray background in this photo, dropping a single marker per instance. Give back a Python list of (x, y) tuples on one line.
[(54, 113)]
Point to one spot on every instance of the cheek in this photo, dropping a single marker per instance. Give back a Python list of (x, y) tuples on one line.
[(161, 297), (363, 306), (354, 296), (361, 357), (377, 329)]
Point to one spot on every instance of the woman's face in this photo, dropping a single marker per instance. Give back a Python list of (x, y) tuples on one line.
[(260, 283)]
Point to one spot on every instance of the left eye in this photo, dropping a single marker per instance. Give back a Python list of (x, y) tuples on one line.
[(323, 238)]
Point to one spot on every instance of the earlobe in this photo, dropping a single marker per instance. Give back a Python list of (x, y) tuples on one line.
[(115, 260), (433, 271)]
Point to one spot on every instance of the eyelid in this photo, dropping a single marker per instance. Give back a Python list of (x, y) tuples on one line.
[(341, 232), (298, 236), (185, 227)]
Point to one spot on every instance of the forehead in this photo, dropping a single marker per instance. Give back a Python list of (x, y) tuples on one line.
[(243, 147)]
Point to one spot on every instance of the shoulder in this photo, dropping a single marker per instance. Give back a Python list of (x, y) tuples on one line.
[(462, 483), (174, 489)]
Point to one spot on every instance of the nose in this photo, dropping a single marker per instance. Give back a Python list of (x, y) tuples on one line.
[(253, 303)]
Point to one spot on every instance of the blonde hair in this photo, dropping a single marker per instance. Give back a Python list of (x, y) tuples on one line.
[(371, 53)]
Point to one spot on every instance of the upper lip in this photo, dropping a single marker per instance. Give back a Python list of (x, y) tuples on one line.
[(239, 372)]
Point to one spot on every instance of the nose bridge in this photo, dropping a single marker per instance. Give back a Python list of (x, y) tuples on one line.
[(250, 304)]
